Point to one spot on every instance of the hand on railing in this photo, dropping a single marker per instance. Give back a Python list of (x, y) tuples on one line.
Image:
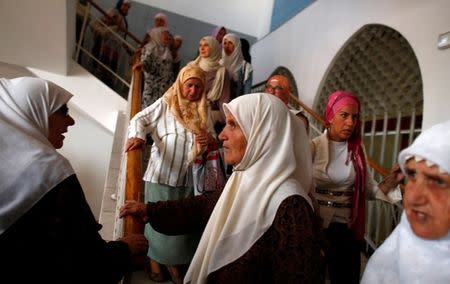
[(138, 66), (134, 143), (137, 243), (392, 180), (134, 208)]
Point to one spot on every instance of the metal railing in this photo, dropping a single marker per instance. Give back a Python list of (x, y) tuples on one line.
[(106, 51)]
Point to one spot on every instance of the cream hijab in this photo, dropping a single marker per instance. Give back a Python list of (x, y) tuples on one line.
[(211, 63), (276, 165), (192, 115), (30, 166), (155, 45), (404, 257), (235, 60)]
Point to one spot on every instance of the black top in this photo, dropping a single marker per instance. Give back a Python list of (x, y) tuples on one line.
[(288, 252), (57, 241)]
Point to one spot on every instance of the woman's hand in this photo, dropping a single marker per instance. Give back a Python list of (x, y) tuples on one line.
[(204, 138), (134, 208), (392, 180), (137, 244), (138, 66), (134, 143)]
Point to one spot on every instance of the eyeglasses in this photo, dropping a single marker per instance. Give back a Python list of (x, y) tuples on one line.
[(271, 88)]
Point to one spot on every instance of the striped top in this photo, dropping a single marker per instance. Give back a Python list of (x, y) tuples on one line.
[(172, 144)]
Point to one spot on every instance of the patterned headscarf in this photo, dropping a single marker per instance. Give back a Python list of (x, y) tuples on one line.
[(337, 101), (193, 115)]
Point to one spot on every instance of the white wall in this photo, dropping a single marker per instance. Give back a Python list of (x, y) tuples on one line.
[(88, 147), (250, 17), (307, 44), (35, 33)]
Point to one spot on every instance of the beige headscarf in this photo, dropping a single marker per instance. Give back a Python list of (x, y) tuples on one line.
[(235, 60), (276, 165), (192, 115), (211, 63), (30, 166)]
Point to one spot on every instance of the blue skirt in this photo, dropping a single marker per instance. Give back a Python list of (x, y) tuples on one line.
[(169, 250)]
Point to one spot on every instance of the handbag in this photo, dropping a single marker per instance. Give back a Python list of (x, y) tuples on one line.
[(209, 171)]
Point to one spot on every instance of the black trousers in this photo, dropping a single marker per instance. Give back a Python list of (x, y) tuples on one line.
[(343, 254)]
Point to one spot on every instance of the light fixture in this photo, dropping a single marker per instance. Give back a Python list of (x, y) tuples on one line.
[(444, 40)]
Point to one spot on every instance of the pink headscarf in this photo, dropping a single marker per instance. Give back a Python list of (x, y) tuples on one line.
[(337, 101)]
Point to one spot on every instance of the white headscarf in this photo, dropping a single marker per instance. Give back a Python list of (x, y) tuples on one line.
[(405, 257), (211, 63), (236, 60), (276, 165), (155, 45), (30, 166)]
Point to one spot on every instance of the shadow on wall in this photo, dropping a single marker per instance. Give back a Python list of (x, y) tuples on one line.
[(140, 19)]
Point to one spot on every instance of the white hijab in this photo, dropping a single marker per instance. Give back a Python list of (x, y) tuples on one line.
[(276, 165), (155, 46), (30, 166), (209, 64), (404, 257), (235, 60)]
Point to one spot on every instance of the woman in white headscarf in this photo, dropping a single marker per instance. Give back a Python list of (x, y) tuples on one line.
[(240, 70), (217, 78), (157, 64), (48, 233), (261, 230), (418, 250)]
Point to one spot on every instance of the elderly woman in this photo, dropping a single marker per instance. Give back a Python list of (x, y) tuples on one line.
[(418, 250), (217, 78), (157, 63), (342, 184), (48, 233), (240, 70), (159, 20), (261, 230), (180, 128)]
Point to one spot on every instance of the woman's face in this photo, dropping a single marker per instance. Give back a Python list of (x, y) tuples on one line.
[(166, 38), (192, 89), (228, 46), (58, 122), (221, 34), (427, 200), (204, 49), (343, 123), (234, 142), (125, 7), (160, 22)]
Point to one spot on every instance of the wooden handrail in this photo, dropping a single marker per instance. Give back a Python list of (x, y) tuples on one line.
[(134, 183), (379, 169), (100, 9)]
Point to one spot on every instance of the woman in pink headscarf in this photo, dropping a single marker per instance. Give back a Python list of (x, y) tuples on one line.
[(218, 33), (342, 184)]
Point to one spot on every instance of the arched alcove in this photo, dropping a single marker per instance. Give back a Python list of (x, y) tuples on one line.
[(378, 64)]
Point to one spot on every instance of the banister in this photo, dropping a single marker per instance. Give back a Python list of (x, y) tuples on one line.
[(134, 183), (100, 9), (379, 169)]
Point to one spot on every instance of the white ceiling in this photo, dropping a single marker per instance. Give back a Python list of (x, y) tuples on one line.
[(250, 17)]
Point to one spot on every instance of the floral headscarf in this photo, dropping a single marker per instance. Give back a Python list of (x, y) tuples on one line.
[(193, 115)]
